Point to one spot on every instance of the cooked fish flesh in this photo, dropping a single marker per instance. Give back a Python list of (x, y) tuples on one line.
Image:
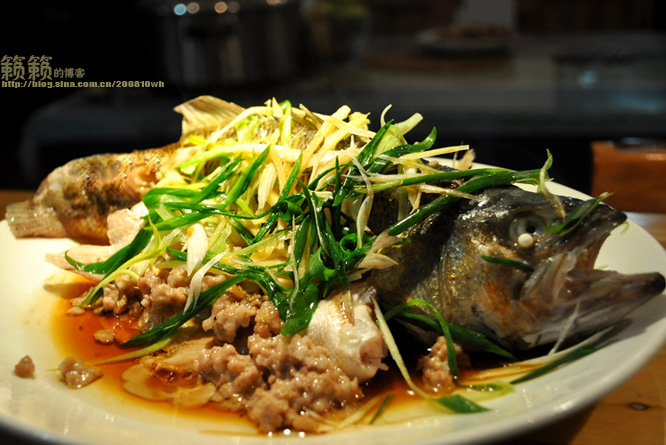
[(350, 332), (557, 293)]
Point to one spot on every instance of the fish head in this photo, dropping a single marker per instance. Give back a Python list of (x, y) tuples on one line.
[(504, 273)]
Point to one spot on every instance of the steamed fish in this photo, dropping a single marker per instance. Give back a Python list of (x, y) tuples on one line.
[(550, 291), (546, 290), (257, 254)]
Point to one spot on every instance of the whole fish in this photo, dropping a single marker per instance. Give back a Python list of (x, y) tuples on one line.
[(555, 293), (75, 199), (549, 290)]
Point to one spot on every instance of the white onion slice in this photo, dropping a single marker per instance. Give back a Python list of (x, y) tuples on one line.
[(197, 246)]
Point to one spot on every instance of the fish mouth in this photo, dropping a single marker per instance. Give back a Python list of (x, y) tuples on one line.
[(569, 298)]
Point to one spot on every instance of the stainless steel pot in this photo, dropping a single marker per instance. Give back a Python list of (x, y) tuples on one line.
[(211, 44)]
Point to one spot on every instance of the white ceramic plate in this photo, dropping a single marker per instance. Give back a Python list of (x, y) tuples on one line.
[(43, 408)]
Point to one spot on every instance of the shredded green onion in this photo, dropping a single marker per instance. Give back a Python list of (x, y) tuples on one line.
[(381, 409), (305, 217), (570, 357), (508, 262), (275, 198), (454, 404), (574, 218)]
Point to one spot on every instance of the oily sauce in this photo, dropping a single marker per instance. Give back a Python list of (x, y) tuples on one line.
[(75, 336)]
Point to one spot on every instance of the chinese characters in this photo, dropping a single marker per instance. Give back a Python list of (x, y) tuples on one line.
[(34, 68)]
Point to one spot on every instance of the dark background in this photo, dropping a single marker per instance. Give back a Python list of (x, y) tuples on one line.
[(574, 72)]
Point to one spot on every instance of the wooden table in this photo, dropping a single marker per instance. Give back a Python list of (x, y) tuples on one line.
[(633, 414)]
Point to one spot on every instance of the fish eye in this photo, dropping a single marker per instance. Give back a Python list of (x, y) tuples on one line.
[(523, 229)]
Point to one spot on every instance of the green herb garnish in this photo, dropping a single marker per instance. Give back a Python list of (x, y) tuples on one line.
[(574, 218), (508, 262)]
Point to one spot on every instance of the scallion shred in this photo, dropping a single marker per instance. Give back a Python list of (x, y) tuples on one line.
[(306, 216), (272, 196)]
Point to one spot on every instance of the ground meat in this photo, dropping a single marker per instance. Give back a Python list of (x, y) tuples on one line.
[(156, 297), (302, 377), (267, 322), (231, 311), (435, 367), (278, 382), (25, 368), (235, 375), (105, 336), (165, 294), (118, 295), (76, 374)]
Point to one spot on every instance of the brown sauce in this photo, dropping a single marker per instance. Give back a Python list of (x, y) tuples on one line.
[(74, 335)]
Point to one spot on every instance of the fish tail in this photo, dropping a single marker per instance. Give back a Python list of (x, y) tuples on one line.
[(27, 220)]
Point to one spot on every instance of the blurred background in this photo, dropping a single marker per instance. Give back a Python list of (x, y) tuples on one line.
[(511, 78)]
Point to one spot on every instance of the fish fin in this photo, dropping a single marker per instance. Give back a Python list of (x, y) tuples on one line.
[(29, 220), (205, 113)]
